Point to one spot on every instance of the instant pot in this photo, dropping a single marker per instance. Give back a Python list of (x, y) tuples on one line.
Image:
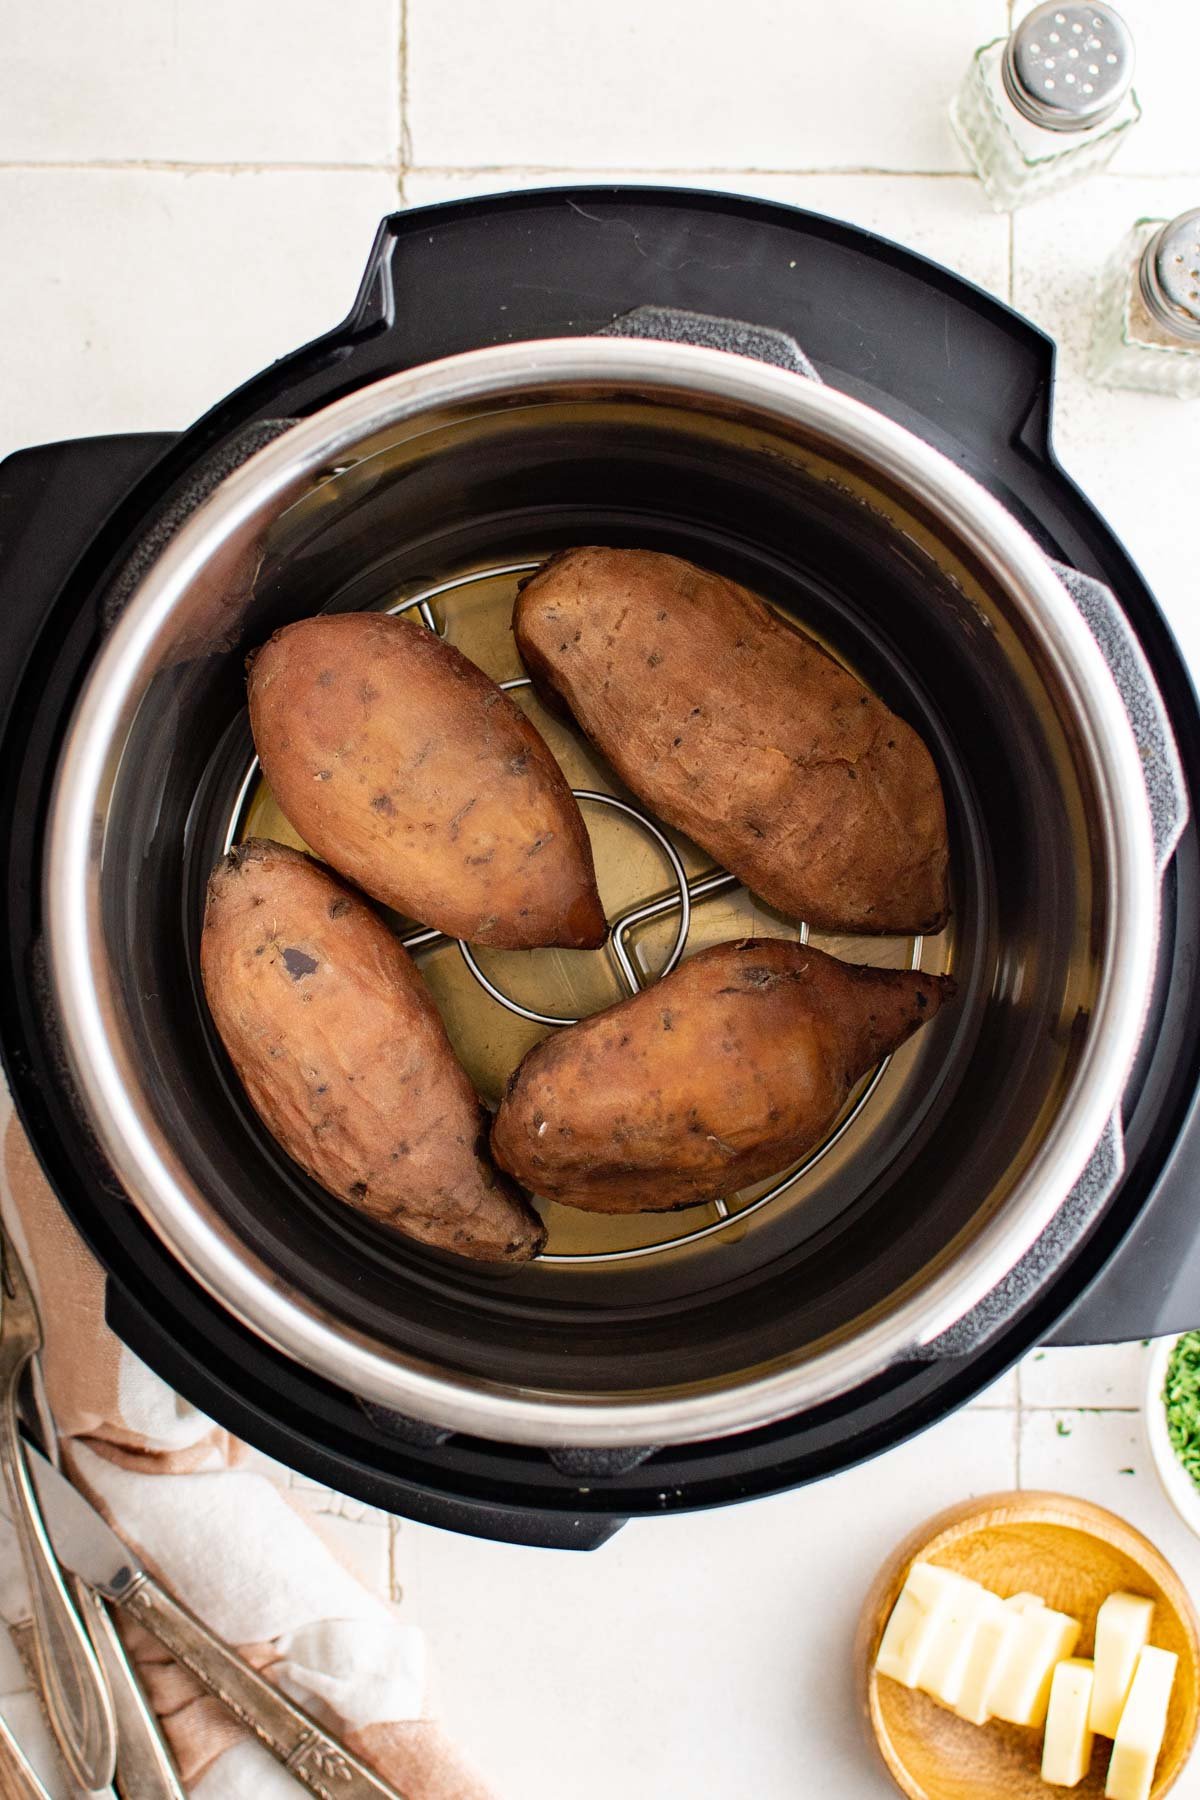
[(864, 439)]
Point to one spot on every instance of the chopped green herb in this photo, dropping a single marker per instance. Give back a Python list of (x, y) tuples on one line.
[(1181, 1397), (1062, 1428), (1040, 1357), (1126, 1471)]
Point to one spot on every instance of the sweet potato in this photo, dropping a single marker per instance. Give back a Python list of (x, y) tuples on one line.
[(411, 773), (739, 730), (345, 1059), (723, 1073)]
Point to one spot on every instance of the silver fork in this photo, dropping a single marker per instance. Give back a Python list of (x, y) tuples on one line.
[(76, 1694), (145, 1767)]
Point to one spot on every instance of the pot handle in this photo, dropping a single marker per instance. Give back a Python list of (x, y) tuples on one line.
[(1150, 1285), (1162, 771), (1027, 1278), (180, 502), (671, 325), (1147, 1286)]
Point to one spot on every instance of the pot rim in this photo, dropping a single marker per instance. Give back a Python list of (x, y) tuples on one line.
[(296, 1324)]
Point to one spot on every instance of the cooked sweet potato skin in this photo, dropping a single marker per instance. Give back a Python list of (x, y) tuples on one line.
[(345, 1059), (721, 1074), (739, 730), (411, 773)]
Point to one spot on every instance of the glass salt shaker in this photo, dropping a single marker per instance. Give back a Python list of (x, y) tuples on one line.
[(1146, 329), (1049, 104)]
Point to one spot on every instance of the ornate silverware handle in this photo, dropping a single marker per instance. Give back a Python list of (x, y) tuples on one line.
[(315, 1758), (74, 1688), (145, 1768)]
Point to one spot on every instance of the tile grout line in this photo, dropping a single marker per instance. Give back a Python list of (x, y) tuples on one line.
[(395, 1591), (1121, 173), (177, 165), (1012, 288), (1061, 1406), (164, 166), (401, 163), (535, 168), (771, 171), (403, 140)]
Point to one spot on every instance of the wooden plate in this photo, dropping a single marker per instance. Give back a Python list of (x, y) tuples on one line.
[(1071, 1553)]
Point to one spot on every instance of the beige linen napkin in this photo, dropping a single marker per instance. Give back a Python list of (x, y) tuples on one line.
[(211, 1523)]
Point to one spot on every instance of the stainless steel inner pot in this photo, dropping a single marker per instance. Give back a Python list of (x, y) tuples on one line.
[(431, 491)]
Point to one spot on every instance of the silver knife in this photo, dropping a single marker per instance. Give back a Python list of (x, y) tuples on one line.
[(87, 1544), (145, 1767)]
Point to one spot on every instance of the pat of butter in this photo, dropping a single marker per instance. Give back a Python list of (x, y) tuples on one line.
[(945, 1667), (1122, 1633), (1021, 1691), (996, 1623), (988, 1654), (1067, 1750), (928, 1597), (1142, 1727)]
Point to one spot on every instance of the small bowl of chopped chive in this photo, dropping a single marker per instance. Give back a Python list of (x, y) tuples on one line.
[(1173, 1422)]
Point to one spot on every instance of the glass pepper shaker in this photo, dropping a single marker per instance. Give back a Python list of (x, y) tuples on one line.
[(1049, 104), (1146, 328)]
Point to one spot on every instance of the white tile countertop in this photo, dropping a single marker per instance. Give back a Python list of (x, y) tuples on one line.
[(189, 188)]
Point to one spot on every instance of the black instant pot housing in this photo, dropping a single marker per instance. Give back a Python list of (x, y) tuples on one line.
[(897, 332)]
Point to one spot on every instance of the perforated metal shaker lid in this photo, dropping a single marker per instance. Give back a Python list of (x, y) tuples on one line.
[(1170, 276), (1068, 67)]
